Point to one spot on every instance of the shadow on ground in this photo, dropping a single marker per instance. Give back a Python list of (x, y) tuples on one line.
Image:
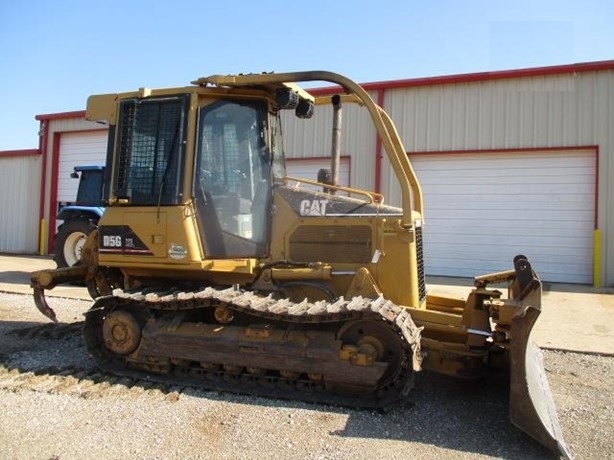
[(15, 277)]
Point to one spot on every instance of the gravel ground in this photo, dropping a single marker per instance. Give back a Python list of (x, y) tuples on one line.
[(56, 405)]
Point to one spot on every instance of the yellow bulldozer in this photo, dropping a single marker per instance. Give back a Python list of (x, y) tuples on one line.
[(212, 267)]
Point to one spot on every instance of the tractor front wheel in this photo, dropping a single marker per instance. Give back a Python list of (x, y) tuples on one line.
[(69, 241)]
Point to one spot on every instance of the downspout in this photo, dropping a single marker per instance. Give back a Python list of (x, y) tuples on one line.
[(597, 242), (43, 137), (53, 194)]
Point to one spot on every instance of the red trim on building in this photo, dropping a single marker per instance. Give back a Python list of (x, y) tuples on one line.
[(53, 198), (505, 150), (529, 150), (475, 77), (61, 115), (20, 153), (495, 75)]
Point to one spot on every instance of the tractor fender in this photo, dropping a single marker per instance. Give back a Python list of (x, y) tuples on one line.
[(73, 211)]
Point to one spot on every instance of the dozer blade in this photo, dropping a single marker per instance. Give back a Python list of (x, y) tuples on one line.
[(532, 406)]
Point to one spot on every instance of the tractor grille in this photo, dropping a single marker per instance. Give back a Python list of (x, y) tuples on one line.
[(420, 264), (313, 243)]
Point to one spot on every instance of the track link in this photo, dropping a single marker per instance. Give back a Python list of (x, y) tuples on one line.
[(347, 317)]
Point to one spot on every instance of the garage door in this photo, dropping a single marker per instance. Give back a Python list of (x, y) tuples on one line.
[(482, 209), (78, 149)]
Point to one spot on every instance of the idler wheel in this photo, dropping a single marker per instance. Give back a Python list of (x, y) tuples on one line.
[(376, 342), (121, 332)]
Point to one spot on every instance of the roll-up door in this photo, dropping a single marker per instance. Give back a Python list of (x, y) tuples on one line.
[(78, 149), (482, 209)]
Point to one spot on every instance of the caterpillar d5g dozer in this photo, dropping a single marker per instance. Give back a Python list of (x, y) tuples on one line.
[(211, 267)]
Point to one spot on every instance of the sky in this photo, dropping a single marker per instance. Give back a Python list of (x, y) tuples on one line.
[(54, 54)]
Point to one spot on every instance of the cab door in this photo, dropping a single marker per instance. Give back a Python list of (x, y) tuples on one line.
[(232, 186)]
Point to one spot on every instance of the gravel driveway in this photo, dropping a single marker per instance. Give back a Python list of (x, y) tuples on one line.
[(56, 405)]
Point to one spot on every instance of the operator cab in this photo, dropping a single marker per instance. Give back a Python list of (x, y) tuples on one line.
[(236, 155)]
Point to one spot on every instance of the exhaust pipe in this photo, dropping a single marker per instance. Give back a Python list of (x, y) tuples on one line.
[(336, 144)]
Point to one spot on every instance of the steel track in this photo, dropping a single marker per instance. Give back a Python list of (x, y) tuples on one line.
[(260, 308)]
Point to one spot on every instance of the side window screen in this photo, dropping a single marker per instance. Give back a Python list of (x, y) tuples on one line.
[(151, 150)]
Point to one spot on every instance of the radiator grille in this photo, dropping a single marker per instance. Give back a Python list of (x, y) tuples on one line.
[(311, 243), (420, 263)]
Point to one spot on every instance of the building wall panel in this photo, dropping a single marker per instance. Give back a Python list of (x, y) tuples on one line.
[(492, 114), (19, 203)]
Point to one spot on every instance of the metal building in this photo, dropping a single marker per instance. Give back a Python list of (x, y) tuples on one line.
[(511, 161)]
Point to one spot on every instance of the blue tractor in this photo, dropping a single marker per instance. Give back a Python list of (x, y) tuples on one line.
[(81, 217)]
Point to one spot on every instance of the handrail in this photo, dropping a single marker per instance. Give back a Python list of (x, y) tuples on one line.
[(373, 196)]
